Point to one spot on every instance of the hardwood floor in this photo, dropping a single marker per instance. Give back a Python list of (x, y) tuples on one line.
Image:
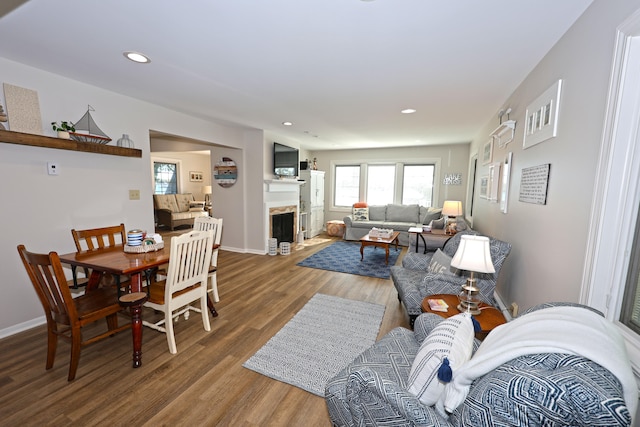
[(205, 383)]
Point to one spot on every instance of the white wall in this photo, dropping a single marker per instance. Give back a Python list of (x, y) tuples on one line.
[(549, 241), (92, 189)]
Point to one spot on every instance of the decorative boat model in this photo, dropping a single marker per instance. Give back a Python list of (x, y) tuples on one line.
[(88, 131)]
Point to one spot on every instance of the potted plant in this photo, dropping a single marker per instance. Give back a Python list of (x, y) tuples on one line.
[(63, 129)]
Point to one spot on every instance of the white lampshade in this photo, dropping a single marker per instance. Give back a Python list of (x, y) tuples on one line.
[(473, 254), (452, 208), (206, 189)]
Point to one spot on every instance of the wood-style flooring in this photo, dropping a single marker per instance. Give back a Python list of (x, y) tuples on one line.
[(205, 383)]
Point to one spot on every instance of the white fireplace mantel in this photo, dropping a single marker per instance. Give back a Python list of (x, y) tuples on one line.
[(282, 185)]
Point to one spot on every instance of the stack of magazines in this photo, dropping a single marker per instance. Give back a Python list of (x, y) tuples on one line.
[(438, 305)]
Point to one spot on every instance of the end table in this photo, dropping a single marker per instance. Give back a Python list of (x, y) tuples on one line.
[(489, 318)]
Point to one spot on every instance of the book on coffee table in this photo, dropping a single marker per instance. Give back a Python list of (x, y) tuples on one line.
[(438, 305)]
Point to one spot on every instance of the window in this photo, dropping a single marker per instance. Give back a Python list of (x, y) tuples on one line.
[(347, 185), (165, 178), (380, 184), (417, 185)]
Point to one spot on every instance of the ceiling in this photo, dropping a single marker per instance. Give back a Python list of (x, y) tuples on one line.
[(340, 70)]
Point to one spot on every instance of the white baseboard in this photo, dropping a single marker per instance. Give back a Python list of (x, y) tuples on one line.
[(21, 327), (503, 307)]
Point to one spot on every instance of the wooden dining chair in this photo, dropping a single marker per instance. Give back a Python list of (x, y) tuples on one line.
[(95, 239), (215, 224), (66, 316), (186, 282)]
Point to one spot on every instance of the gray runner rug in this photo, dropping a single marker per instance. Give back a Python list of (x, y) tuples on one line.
[(320, 340)]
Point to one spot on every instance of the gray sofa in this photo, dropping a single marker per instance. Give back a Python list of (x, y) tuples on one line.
[(397, 217), (413, 281), (547, 389)]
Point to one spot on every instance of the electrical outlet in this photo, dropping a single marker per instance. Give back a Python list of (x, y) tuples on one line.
[(52, 168), (134, 194), (514, 309)]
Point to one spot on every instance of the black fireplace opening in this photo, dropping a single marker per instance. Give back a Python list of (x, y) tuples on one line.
[(282, 227)]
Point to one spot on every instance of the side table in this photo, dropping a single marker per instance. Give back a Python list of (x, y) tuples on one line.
[(489, 317)]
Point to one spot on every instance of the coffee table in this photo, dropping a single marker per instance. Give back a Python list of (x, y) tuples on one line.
[(489, 317), (380, 242)]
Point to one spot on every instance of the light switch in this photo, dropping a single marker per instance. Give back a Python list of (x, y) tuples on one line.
[(134, 194), (52, 168)]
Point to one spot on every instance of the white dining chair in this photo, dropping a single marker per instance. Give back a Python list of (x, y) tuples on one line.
[(186, 283), (215, 224)]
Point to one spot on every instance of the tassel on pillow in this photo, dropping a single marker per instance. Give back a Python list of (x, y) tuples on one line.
[(444, 371)]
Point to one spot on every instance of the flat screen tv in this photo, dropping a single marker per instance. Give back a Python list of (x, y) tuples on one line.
[(285, 161)]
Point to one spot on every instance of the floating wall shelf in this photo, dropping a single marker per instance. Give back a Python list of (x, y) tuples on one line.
[(507, 130), (20, 138)]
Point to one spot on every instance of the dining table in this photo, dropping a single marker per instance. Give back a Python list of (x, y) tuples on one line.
[(114, 260)]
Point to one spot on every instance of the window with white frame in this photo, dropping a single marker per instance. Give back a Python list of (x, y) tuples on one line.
[(380, 184), (165, 178)]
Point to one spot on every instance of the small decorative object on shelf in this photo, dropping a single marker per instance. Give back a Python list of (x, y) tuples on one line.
[(125, 141), (438, 305), (3, 117), (88, 131), (63, 129), (315, 164)]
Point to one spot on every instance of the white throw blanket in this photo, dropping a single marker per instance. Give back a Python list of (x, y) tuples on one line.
[(567, 330)]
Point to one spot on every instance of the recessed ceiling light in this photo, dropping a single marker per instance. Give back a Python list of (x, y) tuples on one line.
[(408, 111), (287, 123), (137, 57)]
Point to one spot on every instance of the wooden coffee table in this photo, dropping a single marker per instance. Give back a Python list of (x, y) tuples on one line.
[(380, 242), (489, 317)]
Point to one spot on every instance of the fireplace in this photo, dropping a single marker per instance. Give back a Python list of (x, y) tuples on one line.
[(283, 223)]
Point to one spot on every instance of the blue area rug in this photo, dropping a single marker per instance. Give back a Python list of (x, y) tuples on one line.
[(344, 257)]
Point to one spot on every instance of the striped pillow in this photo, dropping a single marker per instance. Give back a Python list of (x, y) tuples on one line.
[(451, 339)]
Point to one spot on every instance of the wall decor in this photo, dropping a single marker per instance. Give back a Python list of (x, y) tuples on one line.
[(494, 180), (484, 186), (534, 184), (452, 179), (23, 109), (225, 172), (487, 152), (504, 182), (195, 176), (541, 117)]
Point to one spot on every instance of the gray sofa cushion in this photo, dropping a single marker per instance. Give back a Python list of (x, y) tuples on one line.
[(403, 213), (377, 213), (429, 214)]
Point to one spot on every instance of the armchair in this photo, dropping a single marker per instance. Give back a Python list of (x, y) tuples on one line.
[(414, 282)]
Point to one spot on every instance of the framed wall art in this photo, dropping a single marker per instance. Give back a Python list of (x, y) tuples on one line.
[(494, 180), (541, 117), (195, 176), (225, 172), (534, 184), (487, 152), (504, 183), (484, 186)]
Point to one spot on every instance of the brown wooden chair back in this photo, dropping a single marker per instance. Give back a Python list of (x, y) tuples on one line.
[(99, 238), (66, 315)]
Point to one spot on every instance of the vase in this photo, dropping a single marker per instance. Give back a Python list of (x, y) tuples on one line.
[(64, 134), (125, 141)]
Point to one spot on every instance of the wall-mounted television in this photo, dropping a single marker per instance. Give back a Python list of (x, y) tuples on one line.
[(285, 161)]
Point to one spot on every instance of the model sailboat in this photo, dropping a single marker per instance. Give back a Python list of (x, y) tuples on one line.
[(87, 130)]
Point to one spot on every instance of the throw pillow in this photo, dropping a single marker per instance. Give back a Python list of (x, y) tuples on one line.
[(438, 224), (360, 205), (440, 263), (450, 342), (430, 215), (361, 214)]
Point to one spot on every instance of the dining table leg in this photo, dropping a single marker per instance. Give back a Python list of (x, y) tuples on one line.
[(136, 318)]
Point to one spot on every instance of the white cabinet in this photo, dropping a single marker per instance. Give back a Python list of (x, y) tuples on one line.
[(312, 198)]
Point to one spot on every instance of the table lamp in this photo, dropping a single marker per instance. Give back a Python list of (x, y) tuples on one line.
[(451, 209), (207, 194), (473, 255)]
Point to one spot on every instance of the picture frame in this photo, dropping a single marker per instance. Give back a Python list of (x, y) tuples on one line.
[(541, 117), (534, 184), (196, 176), (494, 182), (484, 186), (504, 183), (487, 152)]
